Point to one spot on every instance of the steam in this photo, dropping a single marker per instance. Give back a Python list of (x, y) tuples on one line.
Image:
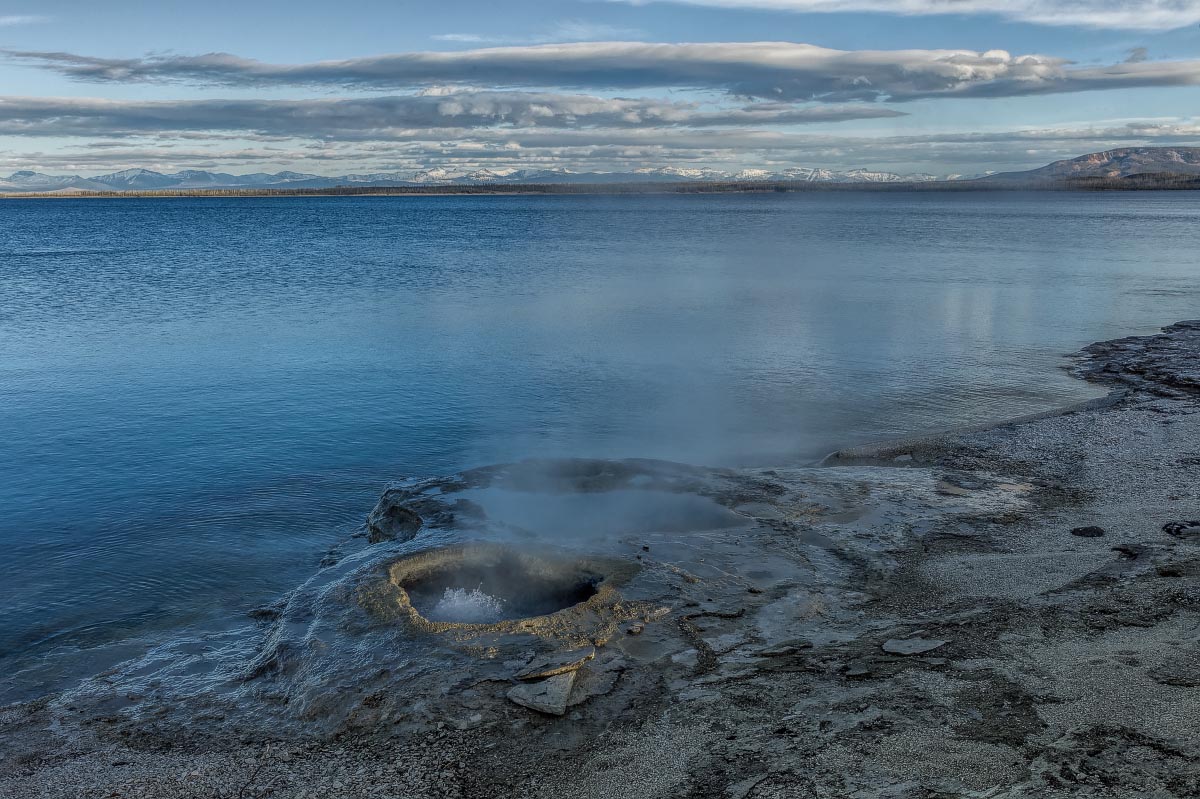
[(467, 607)]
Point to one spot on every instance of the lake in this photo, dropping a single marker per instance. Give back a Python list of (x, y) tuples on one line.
[(199, 396)]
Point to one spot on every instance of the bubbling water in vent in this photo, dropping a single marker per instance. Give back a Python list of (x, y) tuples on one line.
[(468, 607)]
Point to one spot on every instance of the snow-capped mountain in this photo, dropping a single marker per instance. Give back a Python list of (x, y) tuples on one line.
[(140, 179), (752, 174), (491, 175), (682, 173), (436, 175), (812, 175)]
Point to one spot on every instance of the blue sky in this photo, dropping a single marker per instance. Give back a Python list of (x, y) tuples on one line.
[(363, 86)]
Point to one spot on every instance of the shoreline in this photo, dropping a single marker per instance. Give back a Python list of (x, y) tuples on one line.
[(875, 452), (1012, 614)]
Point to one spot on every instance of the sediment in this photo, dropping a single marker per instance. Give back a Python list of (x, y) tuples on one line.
[(997, 613)]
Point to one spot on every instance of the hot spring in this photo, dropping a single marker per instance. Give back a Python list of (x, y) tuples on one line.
[(487, 584)]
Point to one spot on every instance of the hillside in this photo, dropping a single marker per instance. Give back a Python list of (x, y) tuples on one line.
[(1122, 163)]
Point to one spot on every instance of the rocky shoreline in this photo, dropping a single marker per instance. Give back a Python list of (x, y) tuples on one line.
[(1000, 613)]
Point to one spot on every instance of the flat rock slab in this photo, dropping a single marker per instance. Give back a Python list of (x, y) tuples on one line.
[(556, 663), (549, 696), (912, 646)]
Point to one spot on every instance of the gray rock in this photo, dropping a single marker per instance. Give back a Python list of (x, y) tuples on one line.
[(556, 663), (1088, 532), (550, 696), (912, 646)]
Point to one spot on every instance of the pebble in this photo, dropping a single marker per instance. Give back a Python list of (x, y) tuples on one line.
[(1088, 532)]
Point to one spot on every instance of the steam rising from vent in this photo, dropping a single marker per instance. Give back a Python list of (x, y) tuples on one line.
[(467, 607)]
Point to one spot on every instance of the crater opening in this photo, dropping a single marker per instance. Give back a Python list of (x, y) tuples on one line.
[(485, 584)]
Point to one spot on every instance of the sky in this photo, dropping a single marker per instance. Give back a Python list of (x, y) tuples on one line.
[(365, 86)]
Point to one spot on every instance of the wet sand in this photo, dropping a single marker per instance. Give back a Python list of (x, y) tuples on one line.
[(1006, 612)]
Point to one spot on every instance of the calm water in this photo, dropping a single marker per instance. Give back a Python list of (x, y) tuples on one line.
[(198, 396)]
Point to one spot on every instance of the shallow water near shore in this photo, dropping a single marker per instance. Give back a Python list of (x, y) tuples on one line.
[(199, 396)]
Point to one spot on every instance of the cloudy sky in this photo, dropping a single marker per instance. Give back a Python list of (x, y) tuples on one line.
[(595, 85)]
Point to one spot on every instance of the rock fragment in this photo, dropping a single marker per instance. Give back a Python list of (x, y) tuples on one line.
[(912, 646), (391, 521), (556, 663), (1088, 532), (549, 696)]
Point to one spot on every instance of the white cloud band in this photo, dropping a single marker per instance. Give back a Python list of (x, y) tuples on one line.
[(1117, 14), (781, 71)]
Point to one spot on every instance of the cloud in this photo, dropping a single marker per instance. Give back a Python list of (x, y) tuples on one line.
[(780, 71), (388, 117), (570, 30), (21, 19), (1117, 14), (466, 38)]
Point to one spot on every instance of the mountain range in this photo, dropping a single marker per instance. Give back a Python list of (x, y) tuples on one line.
[(147, 180), (1120, 163)]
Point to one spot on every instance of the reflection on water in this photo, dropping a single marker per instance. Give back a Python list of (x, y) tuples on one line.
[(198, 395)]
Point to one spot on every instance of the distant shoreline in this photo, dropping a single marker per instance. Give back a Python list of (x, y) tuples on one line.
[(1154, 182)]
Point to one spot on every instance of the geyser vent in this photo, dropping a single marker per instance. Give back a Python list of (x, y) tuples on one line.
[(487, 584)]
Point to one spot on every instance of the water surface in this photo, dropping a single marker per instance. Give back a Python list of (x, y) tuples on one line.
[(198, 396)]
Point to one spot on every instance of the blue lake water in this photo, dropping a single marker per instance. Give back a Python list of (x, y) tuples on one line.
[(198, 396)]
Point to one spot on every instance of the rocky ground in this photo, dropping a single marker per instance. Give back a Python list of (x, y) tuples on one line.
[(1012, 612)]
